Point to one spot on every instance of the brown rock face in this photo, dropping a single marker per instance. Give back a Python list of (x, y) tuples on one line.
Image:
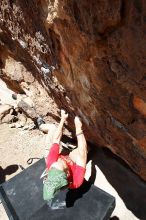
[(96, 50)]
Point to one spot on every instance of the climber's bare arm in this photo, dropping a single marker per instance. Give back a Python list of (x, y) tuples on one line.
[(59, 131), (82, 144)]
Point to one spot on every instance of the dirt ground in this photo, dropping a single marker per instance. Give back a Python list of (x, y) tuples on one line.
[(17, 146)]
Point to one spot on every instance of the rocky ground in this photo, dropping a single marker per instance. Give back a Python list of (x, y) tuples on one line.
[(17, 146)]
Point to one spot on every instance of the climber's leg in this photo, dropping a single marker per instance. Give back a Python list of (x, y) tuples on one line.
[(45, 128)]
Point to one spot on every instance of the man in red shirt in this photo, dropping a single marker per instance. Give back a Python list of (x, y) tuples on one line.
[(65, 171)]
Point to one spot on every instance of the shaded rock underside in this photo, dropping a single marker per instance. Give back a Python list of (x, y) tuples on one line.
[(88, 57)]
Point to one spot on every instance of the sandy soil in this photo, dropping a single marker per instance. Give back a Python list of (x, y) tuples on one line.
[(16, 147), (112, 175)]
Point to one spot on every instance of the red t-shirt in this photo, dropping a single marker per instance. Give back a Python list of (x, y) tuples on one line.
[(75, 172)]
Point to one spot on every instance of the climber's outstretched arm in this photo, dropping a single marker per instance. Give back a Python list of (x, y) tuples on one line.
[(82, 144), (58, 133)]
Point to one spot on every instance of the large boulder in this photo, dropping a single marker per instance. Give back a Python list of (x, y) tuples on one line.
[(90, 57)]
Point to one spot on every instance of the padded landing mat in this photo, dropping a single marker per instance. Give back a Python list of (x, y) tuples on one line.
[(22, 199)]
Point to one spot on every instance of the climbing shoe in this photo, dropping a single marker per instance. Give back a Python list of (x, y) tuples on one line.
[(39, 121)]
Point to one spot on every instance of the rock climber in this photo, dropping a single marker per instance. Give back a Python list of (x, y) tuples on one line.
[(65, 171)]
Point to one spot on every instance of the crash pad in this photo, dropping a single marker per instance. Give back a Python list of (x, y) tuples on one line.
[(22, 199)]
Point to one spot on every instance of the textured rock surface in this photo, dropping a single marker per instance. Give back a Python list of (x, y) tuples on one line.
[(97, 53)]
